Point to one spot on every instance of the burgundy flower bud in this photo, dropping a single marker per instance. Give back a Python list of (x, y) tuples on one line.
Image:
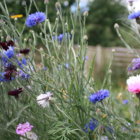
[(10, 71), (25, 51), (15, 92), (5, 45)]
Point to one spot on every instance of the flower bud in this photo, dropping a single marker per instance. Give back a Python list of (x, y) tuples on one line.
[(85, 14), (116, 26), (85, 37), (56, 19), (113, 50), (25, 39), (52, 100), (46, 2), (18, 69), (14, 74), (2, 22), (31, 31), (100, 130), (47, 20), (58, 13), (71, 31), (98, 112), (39, 24), (53, 33), (131, 3), (110, 71), (2, 38), (41, 49), (40, 34), (66, 25), (91, 90), (24, 3), (8, 38), (78, 7), (57, 5), (15, 19), (20, 56), (30, 40)]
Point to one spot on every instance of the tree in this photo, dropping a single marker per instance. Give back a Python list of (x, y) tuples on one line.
[(103, 14)]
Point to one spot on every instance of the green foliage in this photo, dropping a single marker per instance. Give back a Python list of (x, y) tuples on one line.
[(103, 14), (69, 109)]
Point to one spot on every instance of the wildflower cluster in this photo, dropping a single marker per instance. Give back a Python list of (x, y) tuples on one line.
[(53, 94)]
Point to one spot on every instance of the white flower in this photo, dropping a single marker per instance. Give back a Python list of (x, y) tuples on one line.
[(30, 136), (43, 99), (134, 84), (133, 79), (104, 138)]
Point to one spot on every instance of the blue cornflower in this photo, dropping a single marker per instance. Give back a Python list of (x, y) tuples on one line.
[(60, 37), (125, 101), (134, 15), (35, 18), (23, 75), (136, 63), (65, 66), (99, 95), (86, 57), (7, 54), (44, 68), (24, 62), (109, 129), (2, 77), (92, 125)]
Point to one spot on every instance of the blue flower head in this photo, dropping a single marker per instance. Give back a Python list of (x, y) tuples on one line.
[(125, 101), (7, 54), (35, 18), (23, 75), (60, 37), (91, 125), (44, 68), (136, 63), (86, 57), (65, 66), (109, 129), (99, 95), (134, 15)]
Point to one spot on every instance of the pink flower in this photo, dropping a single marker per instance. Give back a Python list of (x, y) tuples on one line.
[(23, 128), (134, 84)]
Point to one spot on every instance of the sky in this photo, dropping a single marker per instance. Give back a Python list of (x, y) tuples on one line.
[(137, 5)]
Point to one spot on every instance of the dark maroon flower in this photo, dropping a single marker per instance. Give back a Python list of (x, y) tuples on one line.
[(15, 92), (5, 45), (25, 51), (10, 71)]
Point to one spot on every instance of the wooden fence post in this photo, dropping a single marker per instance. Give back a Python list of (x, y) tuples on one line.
[(98, 57)]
